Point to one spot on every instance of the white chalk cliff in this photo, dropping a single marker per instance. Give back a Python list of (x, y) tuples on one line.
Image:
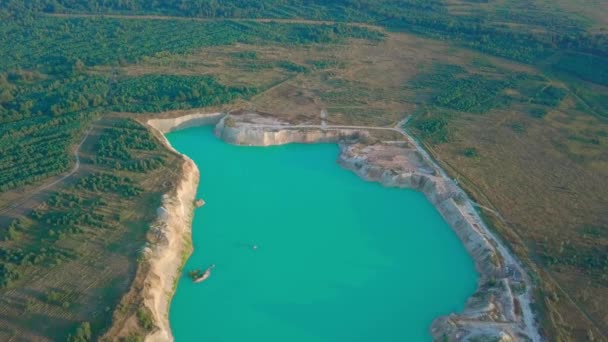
[(500, 308)]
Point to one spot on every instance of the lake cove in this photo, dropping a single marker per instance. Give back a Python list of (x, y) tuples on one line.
[(308, 251)]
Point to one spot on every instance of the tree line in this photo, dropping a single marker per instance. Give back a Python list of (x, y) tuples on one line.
[(484, 31), (48, 97)]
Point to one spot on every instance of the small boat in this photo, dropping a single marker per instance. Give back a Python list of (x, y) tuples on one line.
[(198, 276)]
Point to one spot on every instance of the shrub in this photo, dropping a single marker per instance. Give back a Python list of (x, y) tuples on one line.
[(470, 152), (435, 129), (132, 338), (145, 319), (537, 112), (82, 333), (518, 127)]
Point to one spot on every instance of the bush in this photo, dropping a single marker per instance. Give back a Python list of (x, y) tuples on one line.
[(245, 54), (470, 152), (290, 66), (434, 129), (550, 96), (145, 319), (82, 333), (518, 127), (12, 232), (8, 274), (537, 112), (132, 338)]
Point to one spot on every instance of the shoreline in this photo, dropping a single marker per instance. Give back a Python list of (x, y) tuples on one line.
[(500, 306), (174, 227)]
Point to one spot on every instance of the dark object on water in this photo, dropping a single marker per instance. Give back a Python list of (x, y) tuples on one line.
[(195, 274), (199, 276)]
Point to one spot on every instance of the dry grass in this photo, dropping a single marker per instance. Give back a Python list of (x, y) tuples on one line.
[(363, 83), (548, 186)]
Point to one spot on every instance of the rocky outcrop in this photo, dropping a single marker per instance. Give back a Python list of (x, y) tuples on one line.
[(234, 131), (445, 196), (166, 125), (170, 246), (499, 309)]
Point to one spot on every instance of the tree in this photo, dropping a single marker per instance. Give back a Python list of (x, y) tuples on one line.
[(82, 333), (79, 66)]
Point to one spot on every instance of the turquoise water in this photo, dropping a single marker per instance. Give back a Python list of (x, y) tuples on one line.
[(338, 258)]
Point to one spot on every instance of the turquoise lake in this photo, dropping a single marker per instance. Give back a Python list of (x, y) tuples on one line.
[(337, 258)]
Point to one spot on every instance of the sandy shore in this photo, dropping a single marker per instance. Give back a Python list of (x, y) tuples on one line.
[(173, 228), (499, 309)]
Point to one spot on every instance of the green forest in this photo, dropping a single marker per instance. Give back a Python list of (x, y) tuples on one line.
[(477, 30), (47, 97), (452, 90), (44, 84)]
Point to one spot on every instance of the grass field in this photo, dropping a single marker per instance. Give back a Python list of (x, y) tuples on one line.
[(537, 157)]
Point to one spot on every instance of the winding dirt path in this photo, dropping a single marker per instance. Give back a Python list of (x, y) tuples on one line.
[(44, 187)]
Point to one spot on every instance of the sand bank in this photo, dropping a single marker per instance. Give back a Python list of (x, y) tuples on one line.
[(173, 229)]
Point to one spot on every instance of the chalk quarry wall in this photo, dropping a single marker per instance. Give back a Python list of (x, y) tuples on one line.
[(491, 305), (244, 134), (489, 313), (173, 229), (443, 196), (167, 125)]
